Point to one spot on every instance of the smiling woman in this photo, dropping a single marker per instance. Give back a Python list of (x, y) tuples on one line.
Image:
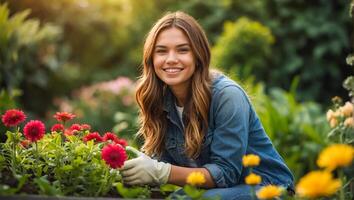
[(196, 120)]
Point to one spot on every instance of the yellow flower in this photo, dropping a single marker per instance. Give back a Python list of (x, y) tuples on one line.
[(269, 192), (347, 109), (196, 178), (349, 122), (317, 184), (253, 179), (336, 155), (250, 160)]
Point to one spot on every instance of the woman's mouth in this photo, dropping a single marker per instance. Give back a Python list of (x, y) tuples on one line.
[(172, 70)]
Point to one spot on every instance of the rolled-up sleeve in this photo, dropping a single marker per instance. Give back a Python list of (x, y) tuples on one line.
[(231, 110)]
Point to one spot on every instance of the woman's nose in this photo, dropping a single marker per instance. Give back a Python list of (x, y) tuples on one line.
[(171, 58)]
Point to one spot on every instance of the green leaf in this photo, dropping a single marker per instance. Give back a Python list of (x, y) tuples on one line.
[(46, 188), (167, 188), (193, 192), (7, 190), (133, 192), (66, 167), (131, 154), (22, 179)]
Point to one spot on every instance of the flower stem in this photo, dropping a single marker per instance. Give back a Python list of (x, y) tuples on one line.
[(104, 181), (14, 152), (62, 134), (38, 173), (342, 178), (253, 195), (37, 154)]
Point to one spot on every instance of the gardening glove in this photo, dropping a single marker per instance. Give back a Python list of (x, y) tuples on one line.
[(144, 170)]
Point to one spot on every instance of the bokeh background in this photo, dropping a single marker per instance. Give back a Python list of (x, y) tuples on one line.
[(83, 56)]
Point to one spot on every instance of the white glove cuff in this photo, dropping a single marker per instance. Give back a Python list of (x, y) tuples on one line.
[(164, 172)]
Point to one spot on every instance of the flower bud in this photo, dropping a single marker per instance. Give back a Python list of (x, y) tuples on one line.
[(349, 122), (333, 122), (347, 109)]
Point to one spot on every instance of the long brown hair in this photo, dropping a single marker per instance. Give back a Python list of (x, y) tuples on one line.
[(151, 89)]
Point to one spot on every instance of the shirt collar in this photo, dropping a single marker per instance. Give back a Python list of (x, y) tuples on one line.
[(169, 100)]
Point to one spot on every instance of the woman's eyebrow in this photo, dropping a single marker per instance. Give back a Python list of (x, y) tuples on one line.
[(182, 45), (160, 46)]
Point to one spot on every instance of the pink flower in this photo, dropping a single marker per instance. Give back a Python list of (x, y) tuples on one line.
[(64, 116), (34, 130), (93, 136), (114, 155), (85, 127), (13, 117), (57, 128)]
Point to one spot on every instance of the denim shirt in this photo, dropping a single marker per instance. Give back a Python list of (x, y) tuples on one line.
[(234, 130)]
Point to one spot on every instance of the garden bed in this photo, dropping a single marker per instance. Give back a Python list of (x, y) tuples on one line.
[(40, 197)]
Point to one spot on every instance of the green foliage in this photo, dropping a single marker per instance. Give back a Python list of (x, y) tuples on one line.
[(8, 190), (243, 47), (131, 154), (193, 192), (28, 55), (7, 100), (133, 192), (168, 188), (46, 188), (103, 38), (313, 44)]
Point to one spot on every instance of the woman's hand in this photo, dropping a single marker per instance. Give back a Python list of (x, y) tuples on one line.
[(144, 170)]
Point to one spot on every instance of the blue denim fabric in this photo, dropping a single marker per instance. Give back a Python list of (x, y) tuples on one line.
[(234, 130)]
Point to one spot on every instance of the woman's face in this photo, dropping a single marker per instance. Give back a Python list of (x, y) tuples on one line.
[(173, 59)]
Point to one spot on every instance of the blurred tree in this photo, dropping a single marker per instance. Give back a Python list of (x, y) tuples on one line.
[(312, 39), (104, 37), (243, 48), (28, 57)]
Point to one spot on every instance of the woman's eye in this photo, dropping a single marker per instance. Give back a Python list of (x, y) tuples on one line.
[(184, 50), (160, 51)]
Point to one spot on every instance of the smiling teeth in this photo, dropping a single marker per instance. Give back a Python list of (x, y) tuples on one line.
[(173, 70)]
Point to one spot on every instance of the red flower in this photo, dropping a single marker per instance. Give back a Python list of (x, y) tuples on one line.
[(57, 128), (93, 136), (13, 117), (122, 142), (114, 138), (64, 116), (110, 136), (114, 155), (75, 127), (34, 130), (85, 127)]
